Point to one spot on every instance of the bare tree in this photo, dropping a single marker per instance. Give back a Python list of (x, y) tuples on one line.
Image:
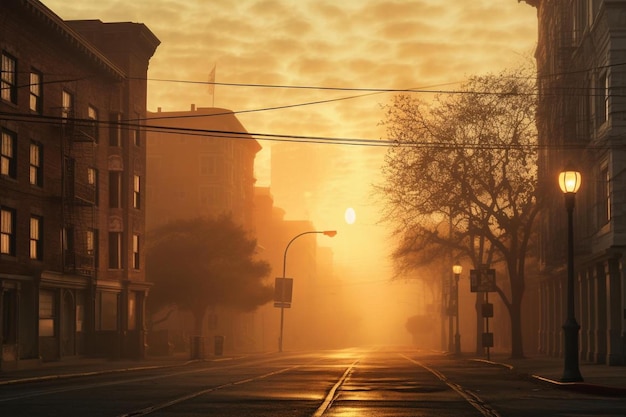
[(199, 263), (462, 176)]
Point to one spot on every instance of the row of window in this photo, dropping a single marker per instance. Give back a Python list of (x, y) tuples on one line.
[(8, 241), (8, 158), (8, 168), (8, 92), (106, 312), (8, 234)]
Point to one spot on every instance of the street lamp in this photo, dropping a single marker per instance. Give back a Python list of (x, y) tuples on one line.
[(569, 181), (329, 233), (457, 270)]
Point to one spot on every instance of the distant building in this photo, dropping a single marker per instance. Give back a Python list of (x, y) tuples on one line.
[(582, 121), (72, 170), (201, 163)]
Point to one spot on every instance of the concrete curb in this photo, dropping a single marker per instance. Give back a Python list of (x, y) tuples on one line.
[(582, 387), (52, 377)]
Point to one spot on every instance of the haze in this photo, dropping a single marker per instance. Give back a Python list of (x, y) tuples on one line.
[(353, 45)]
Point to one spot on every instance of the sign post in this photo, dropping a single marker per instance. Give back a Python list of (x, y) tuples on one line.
[(483, 280)]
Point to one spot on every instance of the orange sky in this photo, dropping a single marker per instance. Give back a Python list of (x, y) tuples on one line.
[(380, 44)]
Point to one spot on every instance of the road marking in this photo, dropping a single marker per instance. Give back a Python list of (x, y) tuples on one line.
[(331, 394), (469, 396), (157, 407)]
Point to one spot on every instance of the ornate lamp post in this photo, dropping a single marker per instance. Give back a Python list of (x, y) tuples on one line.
[(329, 233), (457, 270), (569, 181)]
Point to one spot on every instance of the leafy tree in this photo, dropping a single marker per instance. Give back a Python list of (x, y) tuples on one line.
[(462, 176), (203, 262)]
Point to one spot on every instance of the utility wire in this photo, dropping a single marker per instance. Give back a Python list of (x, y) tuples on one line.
[(225, 134)]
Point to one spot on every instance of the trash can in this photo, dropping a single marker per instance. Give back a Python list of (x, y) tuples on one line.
[(219, 345), (197, 347)]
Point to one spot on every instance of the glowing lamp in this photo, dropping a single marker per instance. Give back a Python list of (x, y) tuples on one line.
[(569, 181)]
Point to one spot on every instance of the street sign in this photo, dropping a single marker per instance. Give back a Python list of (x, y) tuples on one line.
[(487, 310), (483, 280), (283, 289)]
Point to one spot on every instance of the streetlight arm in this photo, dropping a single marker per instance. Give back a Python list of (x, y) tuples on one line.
[(329, 233)]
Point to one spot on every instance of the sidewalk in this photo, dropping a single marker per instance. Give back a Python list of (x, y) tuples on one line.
[(598, 379), (76, 367)]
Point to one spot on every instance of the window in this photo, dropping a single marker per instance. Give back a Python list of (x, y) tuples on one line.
[(47, 309), (106, 311), (92, 114), (136, 192), (132, 310), (36, 170), (8, 80), (92, 245), (67, 239), (115, 189), (80, 311), (135, 131), (115, 133), (604, 196), (36, 238), (36, 91), (7, 154), (67, 111), (208, 165), (602, 99), (115, 250), (7, 231), (92, 180), (135, 251)]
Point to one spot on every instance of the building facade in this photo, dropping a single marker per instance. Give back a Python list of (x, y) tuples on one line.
[(201, 163), (73, 97), (581, 120)]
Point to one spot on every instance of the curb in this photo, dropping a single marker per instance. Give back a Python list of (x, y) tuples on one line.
[(582, 387), (87, 373)]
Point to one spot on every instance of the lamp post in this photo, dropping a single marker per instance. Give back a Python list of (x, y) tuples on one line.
[(457, 270), (329, 233), (569, 181)]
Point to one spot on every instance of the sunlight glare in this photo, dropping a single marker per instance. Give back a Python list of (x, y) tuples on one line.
[(350, 215)]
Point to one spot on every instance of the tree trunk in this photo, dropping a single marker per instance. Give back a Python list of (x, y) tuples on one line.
[(517, 345)]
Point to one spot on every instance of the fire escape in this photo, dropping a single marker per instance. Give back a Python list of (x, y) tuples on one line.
[(79, 200)]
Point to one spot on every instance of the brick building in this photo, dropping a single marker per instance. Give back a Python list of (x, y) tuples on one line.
[(581, 120), (73, 95), (201, 163)]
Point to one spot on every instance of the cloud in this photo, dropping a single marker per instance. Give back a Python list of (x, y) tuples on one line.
[(352, 43)]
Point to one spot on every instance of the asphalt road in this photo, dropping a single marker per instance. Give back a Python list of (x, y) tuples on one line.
[(348, 383)]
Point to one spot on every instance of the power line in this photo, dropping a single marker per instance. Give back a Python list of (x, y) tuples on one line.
[(226, 134)]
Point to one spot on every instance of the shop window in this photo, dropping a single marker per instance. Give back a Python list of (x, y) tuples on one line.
[(107, 311), (9, 307), (47, 316)]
